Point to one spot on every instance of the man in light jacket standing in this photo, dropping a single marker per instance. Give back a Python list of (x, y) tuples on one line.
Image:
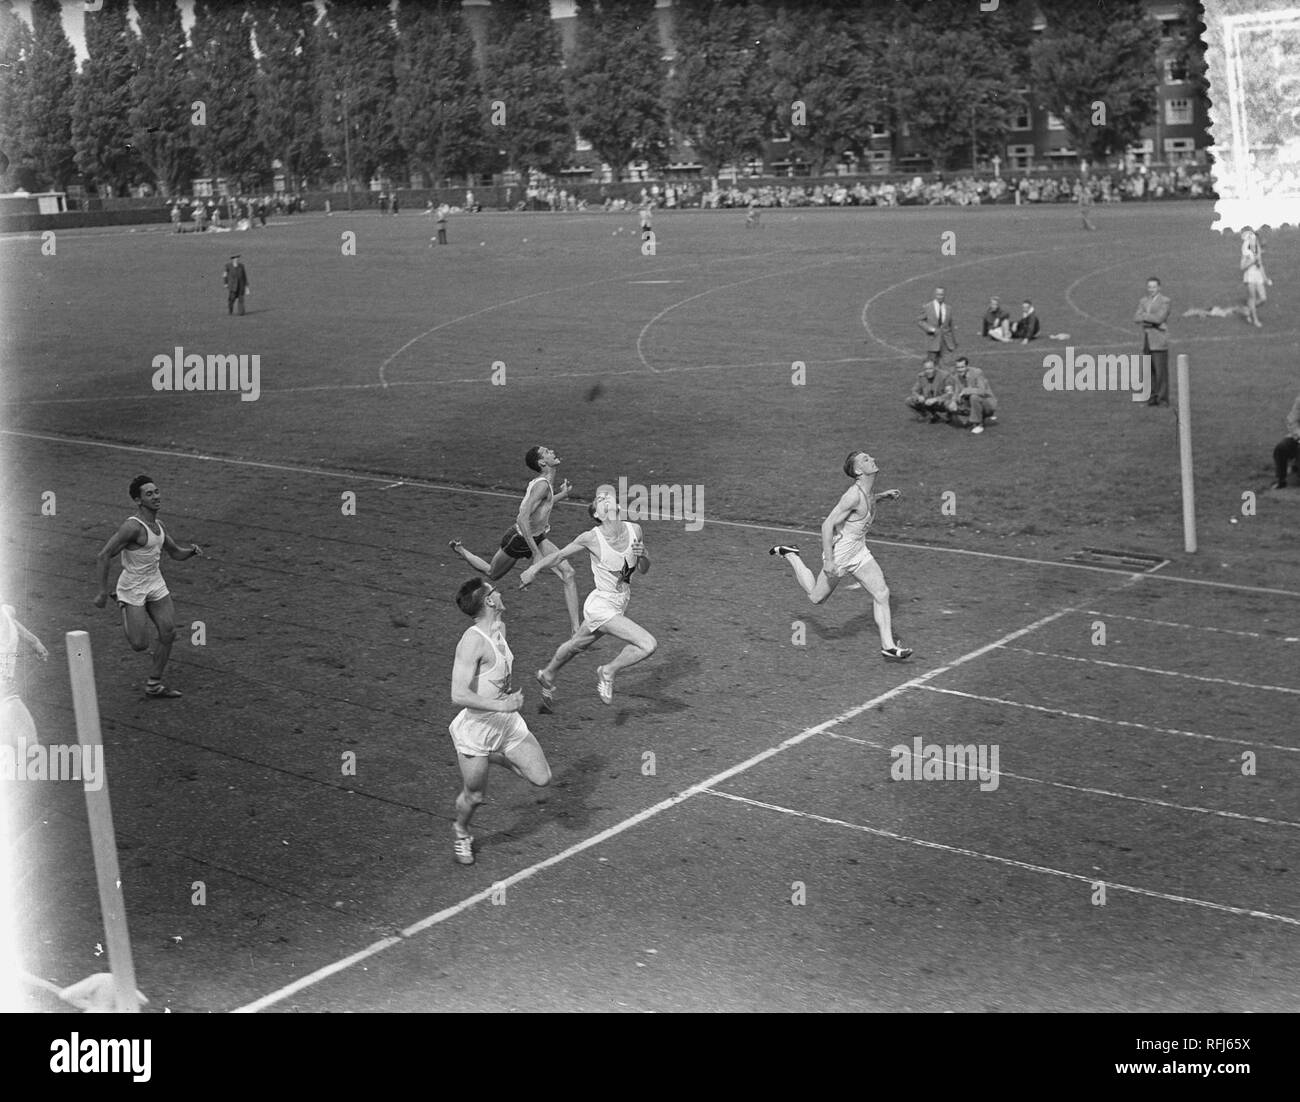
[(936, 322), (1153, 315)]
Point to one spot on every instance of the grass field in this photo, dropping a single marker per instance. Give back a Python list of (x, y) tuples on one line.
[(330, 634)]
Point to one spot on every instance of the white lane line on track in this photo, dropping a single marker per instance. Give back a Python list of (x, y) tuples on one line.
[(641, 816), (603, 373), (1174, 624), (1112, 722), (440, 487), (962, 851), (1262, 819), (1162, 673)]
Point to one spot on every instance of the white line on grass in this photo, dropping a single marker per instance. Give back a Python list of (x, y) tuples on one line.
[(640, 339), (1163, 673), (442, 487), (1167, 897), (1172, 624), (641, 816), (1262, 819), (383, 367), (1113, 722)]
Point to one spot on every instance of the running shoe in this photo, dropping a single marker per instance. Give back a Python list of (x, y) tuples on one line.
[(783, 549), (160, 691), (547, 706), (604, 685), (896, 653), (464, 849)]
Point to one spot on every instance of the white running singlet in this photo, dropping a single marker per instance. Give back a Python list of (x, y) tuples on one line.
[(850, 543), (612, 570), (141, 579), (476, 731)]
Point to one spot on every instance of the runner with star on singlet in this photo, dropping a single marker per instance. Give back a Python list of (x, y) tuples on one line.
[(531, 530), (488, 730), (844, 550), (616, 554)]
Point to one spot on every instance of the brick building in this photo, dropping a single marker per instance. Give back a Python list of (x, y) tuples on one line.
[(1178, 134)]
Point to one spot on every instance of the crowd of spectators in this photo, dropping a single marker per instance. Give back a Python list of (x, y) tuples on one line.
[(968, 190), (227, 211)]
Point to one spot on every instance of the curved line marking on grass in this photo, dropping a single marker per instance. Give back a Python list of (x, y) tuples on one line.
[(383, 367), (723, 287), (925, 275), (1069, 291)]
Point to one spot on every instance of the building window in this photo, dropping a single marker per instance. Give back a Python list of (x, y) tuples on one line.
[(1019, 157), (1178, 112), (1175, 71), (1054, 123), (1020, 121), (879, 130)]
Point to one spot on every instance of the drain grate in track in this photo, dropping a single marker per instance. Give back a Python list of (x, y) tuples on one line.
[(1127, 561)]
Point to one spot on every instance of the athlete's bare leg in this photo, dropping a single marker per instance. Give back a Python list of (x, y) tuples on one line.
[(1252, 304), (527, 760), (569, 579), (818, 588), (570, 648), (640, 645), (872, 579), (163, 614), (135, 625), (498, 568), (474, 776)]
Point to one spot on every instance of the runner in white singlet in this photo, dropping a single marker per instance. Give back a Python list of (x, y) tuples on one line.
[(844, 550), (17, 729), (141, 592), (528, 537), (616, 554), (488, 730)]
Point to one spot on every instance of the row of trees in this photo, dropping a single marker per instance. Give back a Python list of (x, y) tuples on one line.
[(406, 91)]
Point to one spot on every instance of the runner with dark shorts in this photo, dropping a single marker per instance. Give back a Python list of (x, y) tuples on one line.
[(531, 530)]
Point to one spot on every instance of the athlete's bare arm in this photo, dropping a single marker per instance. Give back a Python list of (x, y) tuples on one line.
[(470, 652), (129, 535), (180, 553), (638, 549), (31, 640), (585, 542), (888, 495), (563, 491)]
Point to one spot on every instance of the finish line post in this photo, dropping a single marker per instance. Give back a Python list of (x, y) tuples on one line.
[(86, 706), (1185, 455)]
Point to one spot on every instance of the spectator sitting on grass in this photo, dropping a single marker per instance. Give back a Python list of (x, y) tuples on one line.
[(972, 402), (1026, 326), (931, 393), (1288, 449), (997, 322)]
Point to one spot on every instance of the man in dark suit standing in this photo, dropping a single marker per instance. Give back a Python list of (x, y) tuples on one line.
[(936, 322), (1153, 315), (236, 281)]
